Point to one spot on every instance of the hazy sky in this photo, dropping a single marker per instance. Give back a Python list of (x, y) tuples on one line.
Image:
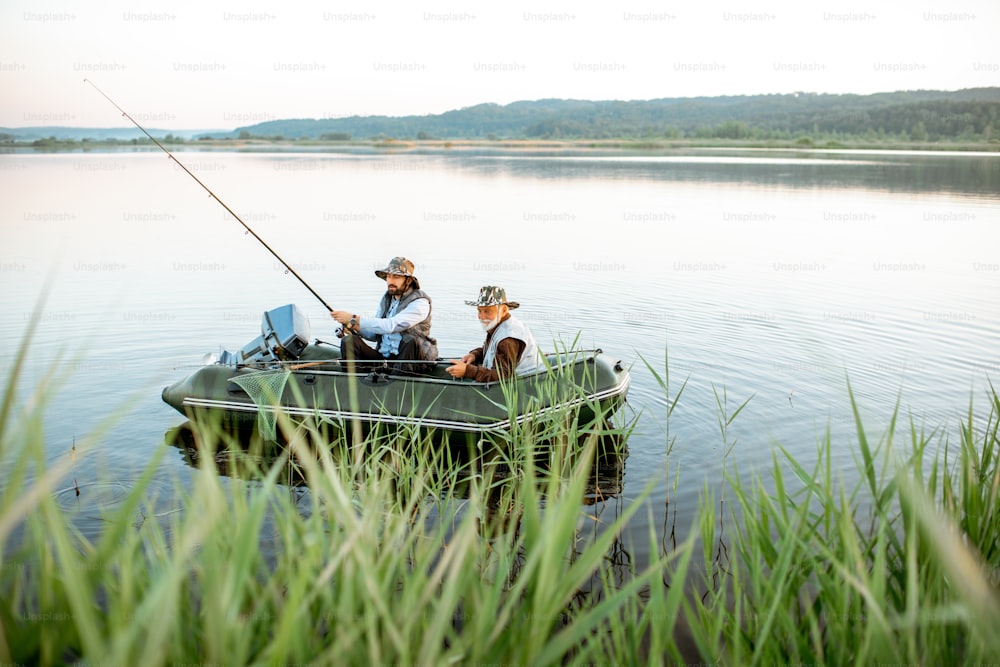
[(204, 65)]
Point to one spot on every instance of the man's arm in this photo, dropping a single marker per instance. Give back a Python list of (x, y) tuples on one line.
[(416, 312), (508, 355)]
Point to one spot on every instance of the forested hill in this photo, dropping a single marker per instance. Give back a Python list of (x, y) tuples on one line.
[(971, 115)]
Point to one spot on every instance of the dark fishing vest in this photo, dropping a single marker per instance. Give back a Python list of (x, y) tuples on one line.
[(421, 331)]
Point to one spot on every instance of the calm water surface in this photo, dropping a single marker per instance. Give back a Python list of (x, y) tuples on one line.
[(772, 275)]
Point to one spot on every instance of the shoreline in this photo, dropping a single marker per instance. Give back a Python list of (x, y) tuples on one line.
[(512, 146)]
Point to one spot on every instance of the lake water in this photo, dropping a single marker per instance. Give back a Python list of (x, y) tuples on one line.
[(777, 275)]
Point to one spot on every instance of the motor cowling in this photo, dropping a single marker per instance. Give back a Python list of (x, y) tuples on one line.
[(284, 335)]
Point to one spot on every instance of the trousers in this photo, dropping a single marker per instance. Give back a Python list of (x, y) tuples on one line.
[(360, 356)]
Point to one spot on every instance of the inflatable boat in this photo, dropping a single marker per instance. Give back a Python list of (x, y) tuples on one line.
[(283, 371)]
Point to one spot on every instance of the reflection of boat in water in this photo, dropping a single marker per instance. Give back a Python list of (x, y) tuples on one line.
[(248, 455), (281, 372)]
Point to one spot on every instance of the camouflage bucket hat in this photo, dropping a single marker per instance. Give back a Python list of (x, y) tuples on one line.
[(493, 296), (399, 266)]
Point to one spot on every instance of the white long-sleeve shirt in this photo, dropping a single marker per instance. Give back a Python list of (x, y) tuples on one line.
[(390, 326)]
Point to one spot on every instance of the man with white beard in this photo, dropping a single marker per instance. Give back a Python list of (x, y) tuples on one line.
[(509, 350)]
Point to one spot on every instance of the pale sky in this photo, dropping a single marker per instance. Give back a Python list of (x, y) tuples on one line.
[(180, 64)]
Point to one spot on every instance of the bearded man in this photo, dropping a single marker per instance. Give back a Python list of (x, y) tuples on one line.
[(401, 328)]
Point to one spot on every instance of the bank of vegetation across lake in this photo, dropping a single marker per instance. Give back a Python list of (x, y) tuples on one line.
[(383, 145), (953, 120)]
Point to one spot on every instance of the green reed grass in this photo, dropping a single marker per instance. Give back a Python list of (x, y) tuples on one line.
[(392, 555), (391, 550), (900, 567)]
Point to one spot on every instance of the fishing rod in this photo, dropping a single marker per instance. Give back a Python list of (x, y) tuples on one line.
[(288, 268)]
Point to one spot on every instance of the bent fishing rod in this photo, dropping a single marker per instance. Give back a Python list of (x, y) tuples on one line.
[(288, 268)]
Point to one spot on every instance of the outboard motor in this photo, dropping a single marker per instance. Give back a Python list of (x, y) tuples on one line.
[(284, 335)]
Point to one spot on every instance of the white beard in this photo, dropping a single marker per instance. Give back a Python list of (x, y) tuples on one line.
[(491, 323)]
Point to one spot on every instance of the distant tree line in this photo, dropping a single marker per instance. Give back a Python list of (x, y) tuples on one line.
[(55, 142), (925, 121), (970, 115), (964, 116)]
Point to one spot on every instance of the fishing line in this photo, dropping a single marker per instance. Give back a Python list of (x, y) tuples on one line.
[(288, 268), (76, 485)]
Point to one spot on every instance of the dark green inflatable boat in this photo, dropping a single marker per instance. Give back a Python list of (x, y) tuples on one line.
[(283, 372)]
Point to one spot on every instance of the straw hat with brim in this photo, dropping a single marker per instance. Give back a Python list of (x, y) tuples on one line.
[(399, 266), (493, 296)]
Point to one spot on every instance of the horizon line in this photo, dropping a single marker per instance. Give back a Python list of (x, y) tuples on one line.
[(520, 101)]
